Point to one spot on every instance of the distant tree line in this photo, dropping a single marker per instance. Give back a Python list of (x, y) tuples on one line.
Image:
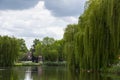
[(13, 50), (49, 48)]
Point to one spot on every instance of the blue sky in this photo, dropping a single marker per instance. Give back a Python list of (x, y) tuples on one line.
[(30, 19)]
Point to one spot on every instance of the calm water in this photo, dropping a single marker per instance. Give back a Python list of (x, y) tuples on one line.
[(50, 73)]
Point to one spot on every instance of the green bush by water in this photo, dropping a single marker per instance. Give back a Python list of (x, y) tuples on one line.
[(49, 63), (114, 68)]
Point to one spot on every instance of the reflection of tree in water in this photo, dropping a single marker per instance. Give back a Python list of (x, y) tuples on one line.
[(112, 76), (29, 73), (47, 73), (54, 73), (8, 74), (36, 72), (51, 73), (89, 76)]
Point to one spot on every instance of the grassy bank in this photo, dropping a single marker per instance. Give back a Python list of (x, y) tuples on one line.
[(27, 63), (47, 63)]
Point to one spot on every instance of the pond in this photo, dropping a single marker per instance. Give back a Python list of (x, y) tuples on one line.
[(50, 73)]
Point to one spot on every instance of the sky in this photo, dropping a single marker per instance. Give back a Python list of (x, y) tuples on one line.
[(30, 19)]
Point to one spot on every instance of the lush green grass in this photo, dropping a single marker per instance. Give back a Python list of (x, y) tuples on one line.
[(27, 63), (47, 63)]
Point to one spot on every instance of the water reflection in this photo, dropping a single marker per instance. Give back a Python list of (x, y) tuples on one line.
[(28, 74), (8, 74), (50, 73), (54, 73), (92, 76)]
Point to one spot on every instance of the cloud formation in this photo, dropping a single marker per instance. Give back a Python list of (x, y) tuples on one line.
[(36, 22), (17, 4), (59, 8), (65, 7)]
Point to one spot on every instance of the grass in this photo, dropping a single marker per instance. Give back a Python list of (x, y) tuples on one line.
[(46, 63), (27, 63)]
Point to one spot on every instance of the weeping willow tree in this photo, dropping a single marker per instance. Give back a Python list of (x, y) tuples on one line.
[(97, 41), (8, 51), (69, 45)]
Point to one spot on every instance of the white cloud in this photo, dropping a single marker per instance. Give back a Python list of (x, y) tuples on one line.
[(37, 22)]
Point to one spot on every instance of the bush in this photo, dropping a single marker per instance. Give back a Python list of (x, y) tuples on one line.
[(115, 68), (49, 63)]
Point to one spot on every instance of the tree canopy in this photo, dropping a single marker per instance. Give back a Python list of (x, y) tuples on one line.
[(9, 50), (49, 48), (96, 43)]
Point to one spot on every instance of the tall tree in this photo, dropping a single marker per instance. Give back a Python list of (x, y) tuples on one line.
[(9, 49), (23, 48), (69, 35), (47, 49), (97, 42), (35, 43), (48, 41), (38, 49)]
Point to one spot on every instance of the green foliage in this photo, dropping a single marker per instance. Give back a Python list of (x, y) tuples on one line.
[(49, 63), (70, 44), (23, 48), (38, 49), (114, 69), (59, 46), (49, 49), (9, 49), (48, 41), (22, 44), (35, 42), (96, 43)]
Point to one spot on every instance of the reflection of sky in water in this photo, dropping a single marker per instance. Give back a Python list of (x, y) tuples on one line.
[(28, 74)]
